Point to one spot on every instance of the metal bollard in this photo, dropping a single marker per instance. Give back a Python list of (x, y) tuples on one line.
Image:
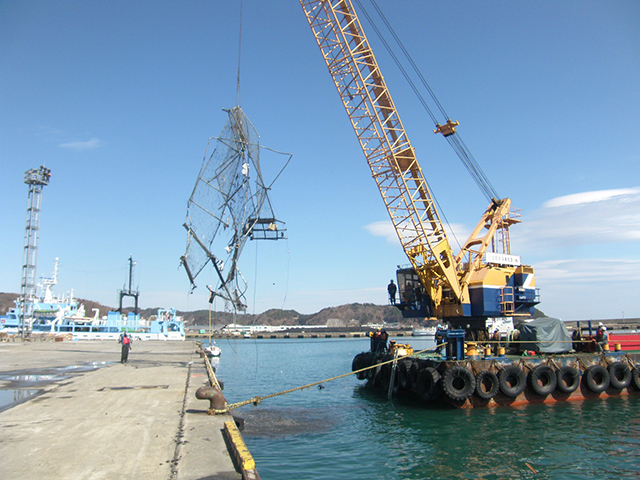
[(214, 395)]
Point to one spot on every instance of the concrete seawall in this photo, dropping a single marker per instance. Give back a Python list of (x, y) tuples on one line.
[(292, 335), (135, 420)]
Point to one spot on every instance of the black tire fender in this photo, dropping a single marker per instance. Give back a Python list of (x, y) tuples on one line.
[(596, 378), (543, 380), (487, 384), (568, 379), (357, 364), (458, 382), (620, 375), (412, 376), (513, 380), (428, 383), (360, 361), (402, 374), (635, 375)]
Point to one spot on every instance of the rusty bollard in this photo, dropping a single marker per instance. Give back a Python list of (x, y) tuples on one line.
[(215, 397)]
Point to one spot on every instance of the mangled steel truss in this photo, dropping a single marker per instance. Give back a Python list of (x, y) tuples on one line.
[(228, 206)]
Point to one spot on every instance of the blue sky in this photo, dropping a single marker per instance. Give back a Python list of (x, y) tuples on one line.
[(119, 99)]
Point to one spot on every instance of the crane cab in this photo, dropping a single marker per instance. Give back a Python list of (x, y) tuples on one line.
[(413, 299), (495, 290)]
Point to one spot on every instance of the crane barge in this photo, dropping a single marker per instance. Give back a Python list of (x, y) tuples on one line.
[(482, 280)]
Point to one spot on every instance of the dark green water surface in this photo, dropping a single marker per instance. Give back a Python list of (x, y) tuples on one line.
[(345, 431)]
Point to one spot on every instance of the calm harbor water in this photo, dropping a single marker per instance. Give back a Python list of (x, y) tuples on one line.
[(345, 431)]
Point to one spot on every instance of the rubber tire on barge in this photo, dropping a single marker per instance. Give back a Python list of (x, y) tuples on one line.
[(596, 378), (513, 380), (428, 384), (402, 374), (568, 379), (619, 375), (458, 382), (487, 384), (636, 376), (543, 380), (360, 361)]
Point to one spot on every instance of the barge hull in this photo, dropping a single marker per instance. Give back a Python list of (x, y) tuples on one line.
[(506, 381)]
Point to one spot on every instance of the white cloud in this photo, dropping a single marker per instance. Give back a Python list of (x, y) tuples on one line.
[(582, 276), (383, 229), (590, 270), (589, 288), (78, 145), (591, 197), (589, 218)]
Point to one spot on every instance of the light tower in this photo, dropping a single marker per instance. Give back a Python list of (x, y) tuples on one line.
[(36, 179)]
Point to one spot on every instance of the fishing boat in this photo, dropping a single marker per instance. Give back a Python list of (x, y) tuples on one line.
[(64, 315), (539, 363), (44, 311), (10, 322), (166, 326)]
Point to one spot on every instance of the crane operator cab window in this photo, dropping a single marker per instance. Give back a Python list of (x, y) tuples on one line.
[(414, 301)]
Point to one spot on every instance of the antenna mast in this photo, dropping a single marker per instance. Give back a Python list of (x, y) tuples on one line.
[(130, 292)]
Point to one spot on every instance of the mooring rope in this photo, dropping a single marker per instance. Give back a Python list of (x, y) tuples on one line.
[(256, 400)]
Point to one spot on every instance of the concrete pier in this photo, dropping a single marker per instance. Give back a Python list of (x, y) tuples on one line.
[(135, 420)]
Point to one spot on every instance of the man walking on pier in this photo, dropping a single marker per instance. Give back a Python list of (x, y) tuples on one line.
[(125, 340)]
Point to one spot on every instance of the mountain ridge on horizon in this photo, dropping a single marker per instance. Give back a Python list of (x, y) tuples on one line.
[(353, 314)]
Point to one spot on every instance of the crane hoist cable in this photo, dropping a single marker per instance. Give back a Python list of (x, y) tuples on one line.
[(447, 128), (239, 56)]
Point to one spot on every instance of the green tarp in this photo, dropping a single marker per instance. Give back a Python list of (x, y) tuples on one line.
[(546, 335)]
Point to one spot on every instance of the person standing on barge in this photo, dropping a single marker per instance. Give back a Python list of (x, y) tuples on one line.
[(602, 338)]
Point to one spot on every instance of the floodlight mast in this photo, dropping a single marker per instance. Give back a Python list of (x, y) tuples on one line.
[(36, 178)]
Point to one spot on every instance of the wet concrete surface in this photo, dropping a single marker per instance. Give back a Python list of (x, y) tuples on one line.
[(76, 412)]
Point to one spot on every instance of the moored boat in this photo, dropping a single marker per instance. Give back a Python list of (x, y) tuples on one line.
[(212, 351)]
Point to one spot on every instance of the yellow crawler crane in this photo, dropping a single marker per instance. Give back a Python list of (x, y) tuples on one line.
[(477, 282)]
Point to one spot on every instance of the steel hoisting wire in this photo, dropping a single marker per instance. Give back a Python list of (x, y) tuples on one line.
[(239, 56), (472, 166), (454, 139)]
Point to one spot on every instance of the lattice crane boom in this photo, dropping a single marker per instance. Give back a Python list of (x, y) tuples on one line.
[(392, 160), (384, 141)]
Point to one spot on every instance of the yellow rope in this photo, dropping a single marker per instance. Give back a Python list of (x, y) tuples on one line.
[(257, 400)]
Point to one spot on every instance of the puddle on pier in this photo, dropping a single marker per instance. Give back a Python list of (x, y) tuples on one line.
[(19, 386), (9, 398)]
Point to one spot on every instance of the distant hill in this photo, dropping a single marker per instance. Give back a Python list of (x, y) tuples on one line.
[(354, 314), (350, 315)]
